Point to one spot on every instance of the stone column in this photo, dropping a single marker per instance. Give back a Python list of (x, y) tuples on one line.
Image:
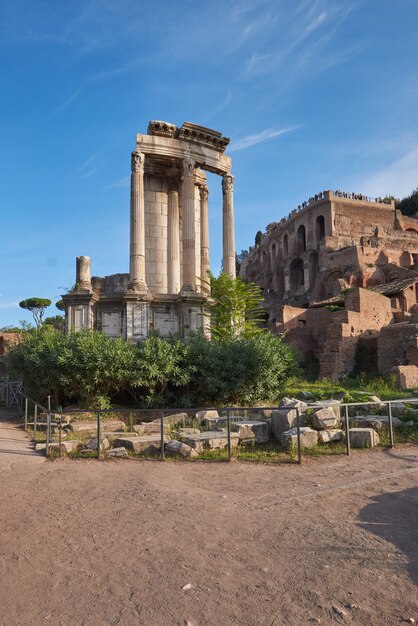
[(137, 240), (228, 225), (173, 252), (83, 273), (188, 226), (204, 237)]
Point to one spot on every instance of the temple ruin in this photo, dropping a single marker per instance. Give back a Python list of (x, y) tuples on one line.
[(166, 288), (342, 266)]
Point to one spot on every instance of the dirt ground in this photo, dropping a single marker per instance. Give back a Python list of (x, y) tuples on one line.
[(334, 541)]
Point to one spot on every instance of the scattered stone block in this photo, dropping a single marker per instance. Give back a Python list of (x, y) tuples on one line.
[(201, 415), (308, 438), (327, 436), (257, 432), (175, 447), (292, 403), (325, 419), (117, 452), (111, 436), (212, 440), (66, 447), (375, 421), (363, 438), (334, 404), (92, 444), (146, 443), (284, 419), (176, 418), (148, 428), (40, 447), (186, 432), (89, 427)]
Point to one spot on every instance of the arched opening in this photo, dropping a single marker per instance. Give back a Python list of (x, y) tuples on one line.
[(273, 256), (297, 279), (319, 229), (411, 230), (405, 259), (285, 247), (313, 269), (300, 240)]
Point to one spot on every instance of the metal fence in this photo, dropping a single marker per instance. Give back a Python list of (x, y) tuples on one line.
[(159, 424)]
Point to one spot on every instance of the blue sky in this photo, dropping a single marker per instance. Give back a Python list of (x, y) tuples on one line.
[(314, 94)]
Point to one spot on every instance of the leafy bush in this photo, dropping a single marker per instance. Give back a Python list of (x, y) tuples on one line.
[(93, 369)]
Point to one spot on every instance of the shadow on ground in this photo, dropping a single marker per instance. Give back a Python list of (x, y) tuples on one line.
[(394, 517)]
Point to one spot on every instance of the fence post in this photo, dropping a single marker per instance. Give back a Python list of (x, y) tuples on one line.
[(162, 454), (35, 419), (298, 435), (347, 431), (390, 425), (228, 426), (26, 413), (48, 426), (98, 433)]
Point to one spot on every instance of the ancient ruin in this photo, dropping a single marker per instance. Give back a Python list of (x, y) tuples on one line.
[(339, 267), (165, 289)]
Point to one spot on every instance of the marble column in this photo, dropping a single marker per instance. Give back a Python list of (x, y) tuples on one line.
[(173, 253), (188, 226), (204, 237), (228, 225), (137, 241), (83, 273)]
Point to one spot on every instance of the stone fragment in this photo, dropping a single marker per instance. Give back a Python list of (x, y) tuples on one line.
[(308, 438), (375, 421), (363, 438), (117, 452), (176, 418), (325, 404), (326, 436), (376, 399), (185, 432), (92, 444), (148, 428), (212, 440), (89, 427), (293, 403), (284, 419), (325, 419), (40, 447), (398, 406), (146, 443), (114, 435), (201, 415), (175, 447), (253, 431), (66, 447)]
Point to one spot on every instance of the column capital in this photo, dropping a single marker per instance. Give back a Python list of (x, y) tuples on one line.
[(137, 161), (227, 183), (189, 167), (204, 192)]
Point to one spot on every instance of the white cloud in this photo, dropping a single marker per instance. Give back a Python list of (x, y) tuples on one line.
[(397, 179), (264, 135), (9, 305)]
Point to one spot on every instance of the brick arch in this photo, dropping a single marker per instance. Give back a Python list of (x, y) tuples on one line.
[(301, 239)]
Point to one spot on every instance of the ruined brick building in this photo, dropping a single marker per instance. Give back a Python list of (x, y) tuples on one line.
[(341, 267)]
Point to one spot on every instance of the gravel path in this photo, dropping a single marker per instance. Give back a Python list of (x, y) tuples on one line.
[(143, 542)]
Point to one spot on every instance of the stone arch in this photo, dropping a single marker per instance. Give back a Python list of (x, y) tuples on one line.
[(297, 278), (335, 283), (301, 239), (319, 229), (411, 230)]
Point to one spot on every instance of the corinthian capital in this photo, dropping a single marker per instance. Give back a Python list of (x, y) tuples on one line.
[(188, 167), (137, 161), (227, 183), (204, 192)]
